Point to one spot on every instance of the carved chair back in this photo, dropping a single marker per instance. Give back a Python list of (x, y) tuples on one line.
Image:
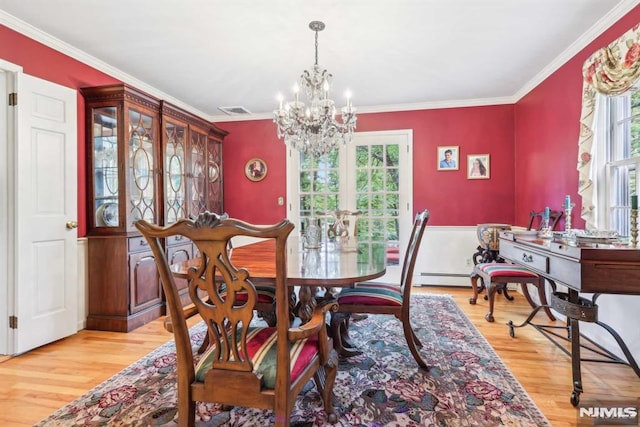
[(233, 371), (535, 219)]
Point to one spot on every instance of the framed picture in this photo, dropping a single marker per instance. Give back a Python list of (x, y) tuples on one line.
[(448, 158), (255, 169), (478, 166)]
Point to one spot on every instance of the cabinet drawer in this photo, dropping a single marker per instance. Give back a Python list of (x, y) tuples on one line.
[(177, 240), (525, 257), (137, 244)]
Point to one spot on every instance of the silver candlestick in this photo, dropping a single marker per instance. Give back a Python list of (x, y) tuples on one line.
[(634, 228)]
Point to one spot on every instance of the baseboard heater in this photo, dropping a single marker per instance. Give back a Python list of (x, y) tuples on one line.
[(445, 279)]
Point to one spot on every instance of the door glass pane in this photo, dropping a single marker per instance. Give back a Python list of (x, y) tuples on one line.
[(198, 201), (105, 166), (175, 188), (319, 187), (377, 193), (393, 157), (141, 142)]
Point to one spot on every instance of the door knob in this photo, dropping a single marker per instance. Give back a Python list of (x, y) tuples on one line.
[(72, 224)]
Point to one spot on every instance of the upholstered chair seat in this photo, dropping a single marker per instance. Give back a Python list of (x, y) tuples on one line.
[(372, 294), (496, 276), (262, 345)]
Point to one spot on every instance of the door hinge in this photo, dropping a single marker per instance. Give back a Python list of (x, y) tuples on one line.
[(13, 99), (13, 322)]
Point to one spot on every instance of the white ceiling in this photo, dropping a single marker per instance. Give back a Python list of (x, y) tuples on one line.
[(391, 55)]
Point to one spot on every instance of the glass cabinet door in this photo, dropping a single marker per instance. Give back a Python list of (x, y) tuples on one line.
[(198, 201), (105, 166), (142, 139), (214, 176), (174, 166)]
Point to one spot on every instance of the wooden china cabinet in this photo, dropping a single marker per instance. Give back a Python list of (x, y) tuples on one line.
[(145, 160), (192, 155)]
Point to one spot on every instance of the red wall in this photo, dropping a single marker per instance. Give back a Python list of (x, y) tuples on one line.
[(48, 64), (449, 195), (547, 124), (532, 144)]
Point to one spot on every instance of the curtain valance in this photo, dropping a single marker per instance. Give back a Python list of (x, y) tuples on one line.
[(610, 71)]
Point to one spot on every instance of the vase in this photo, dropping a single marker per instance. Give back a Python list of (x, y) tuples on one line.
[(313, 233), (489, 235)]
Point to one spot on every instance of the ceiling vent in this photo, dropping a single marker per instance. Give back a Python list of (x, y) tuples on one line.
[(234, 111)]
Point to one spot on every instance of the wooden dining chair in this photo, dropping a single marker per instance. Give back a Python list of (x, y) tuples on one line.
[(245, 364), (535, 219), (385, 298)]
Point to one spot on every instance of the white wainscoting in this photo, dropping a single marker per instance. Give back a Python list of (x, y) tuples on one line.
[(83, 282), (445, 256)]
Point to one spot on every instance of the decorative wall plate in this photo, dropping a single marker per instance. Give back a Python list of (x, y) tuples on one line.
[(107, 215), (255, 169), (214, 171)]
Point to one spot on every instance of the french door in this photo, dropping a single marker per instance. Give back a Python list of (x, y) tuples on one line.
[(371, 174)]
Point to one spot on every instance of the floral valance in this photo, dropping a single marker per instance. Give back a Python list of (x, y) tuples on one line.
[(610, 71)]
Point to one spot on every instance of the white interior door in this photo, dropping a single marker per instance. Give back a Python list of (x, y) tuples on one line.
[(45, 210)]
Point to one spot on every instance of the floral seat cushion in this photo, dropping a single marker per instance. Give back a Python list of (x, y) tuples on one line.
[(371, 294), (262, 349)]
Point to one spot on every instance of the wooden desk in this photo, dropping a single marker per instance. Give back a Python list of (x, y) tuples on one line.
[(330, 266), (583, 267)]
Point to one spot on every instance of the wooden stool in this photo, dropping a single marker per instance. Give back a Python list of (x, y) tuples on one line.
[(495, 276)]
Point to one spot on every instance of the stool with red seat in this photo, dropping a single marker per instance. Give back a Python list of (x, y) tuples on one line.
[(496, 276)]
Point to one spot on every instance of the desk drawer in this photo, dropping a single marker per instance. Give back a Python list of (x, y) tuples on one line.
[(525, 257)]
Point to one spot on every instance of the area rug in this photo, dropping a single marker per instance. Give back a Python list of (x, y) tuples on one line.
[(467, 385)]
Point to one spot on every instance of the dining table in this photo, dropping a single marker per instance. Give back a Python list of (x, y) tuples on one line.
[(314, 272)]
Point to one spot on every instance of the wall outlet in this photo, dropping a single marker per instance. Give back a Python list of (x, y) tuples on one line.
[(280, 201), (467, 262)]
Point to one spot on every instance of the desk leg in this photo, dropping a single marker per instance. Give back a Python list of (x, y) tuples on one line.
[(574, 331)]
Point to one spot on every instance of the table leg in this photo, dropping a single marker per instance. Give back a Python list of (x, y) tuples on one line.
[(574, 331), (306, 303)]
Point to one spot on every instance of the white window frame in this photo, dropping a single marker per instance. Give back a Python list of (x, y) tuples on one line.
[(610, 160)]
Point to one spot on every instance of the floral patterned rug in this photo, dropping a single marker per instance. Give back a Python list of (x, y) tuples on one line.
[(467, 385)]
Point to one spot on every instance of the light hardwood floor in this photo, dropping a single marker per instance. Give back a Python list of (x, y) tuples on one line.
[(35, 384)]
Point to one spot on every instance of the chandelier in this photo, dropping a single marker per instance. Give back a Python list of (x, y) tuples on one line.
[(313, 128)]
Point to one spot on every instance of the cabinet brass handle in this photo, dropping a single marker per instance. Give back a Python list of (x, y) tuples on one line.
[(72, 224), (143, 242), (527, 258)]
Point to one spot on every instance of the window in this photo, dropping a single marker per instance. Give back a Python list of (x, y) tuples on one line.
[(620, 119)]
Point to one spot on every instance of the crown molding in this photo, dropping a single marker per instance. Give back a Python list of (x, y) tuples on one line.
[(48, 40), (480, 102), (590, 35)]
